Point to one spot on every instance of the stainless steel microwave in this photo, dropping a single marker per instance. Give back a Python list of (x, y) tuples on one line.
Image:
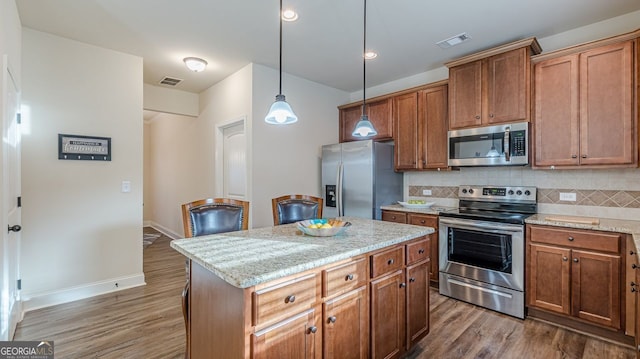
[(499, 145)]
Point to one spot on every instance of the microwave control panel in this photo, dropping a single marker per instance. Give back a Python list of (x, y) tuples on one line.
[(518, 143)]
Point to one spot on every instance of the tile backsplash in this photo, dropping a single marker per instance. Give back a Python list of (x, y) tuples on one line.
[(607, 193)]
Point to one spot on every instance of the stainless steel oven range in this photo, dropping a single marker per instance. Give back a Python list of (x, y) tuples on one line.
[(482, 247)]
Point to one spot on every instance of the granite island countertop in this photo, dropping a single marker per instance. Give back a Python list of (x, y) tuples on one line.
[(247, 258)]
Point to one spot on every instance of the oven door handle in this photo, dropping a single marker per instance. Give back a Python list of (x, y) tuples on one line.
[(484, 226)]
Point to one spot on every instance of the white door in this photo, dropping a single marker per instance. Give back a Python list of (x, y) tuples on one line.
[(9, 258), (234, 161)]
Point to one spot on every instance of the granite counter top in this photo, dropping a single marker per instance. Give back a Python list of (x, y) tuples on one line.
[(246, 258), (606, 224), (434, 210)]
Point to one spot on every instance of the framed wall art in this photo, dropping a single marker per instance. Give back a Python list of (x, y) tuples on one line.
[(88, 148)]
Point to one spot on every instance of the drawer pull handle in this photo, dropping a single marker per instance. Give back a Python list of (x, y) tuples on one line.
[(390, 262), (290, 299), (403, 284), (565, 259), (570, 239), (420, 251), (411, 280), (313, 329), (332, 319), (575, 260), (349, 277)]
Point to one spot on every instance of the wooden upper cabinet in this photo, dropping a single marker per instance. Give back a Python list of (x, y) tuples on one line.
[(405, 119), (583, 111), (379, 112), (492, 86)]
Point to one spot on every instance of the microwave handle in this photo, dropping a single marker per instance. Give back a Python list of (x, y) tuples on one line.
[(507, 141)]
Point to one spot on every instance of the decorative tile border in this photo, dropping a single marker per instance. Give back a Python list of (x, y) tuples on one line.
[(599, 198)]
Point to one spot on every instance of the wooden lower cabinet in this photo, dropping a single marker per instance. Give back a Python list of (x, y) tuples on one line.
[(346, 326), (388, 316), (417, 302), (429, 220), (578, 277), (300, 333)]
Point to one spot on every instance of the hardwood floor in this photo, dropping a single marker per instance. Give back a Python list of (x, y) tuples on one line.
[(146, 322)]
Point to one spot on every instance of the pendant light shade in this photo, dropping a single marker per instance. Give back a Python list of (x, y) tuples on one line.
[(280, 112), (364, 127)]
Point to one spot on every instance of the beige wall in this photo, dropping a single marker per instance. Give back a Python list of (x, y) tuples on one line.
[(81, 235), (169, 100)]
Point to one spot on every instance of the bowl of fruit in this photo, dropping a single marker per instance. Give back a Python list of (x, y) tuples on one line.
[(323, 227), (416, 203)]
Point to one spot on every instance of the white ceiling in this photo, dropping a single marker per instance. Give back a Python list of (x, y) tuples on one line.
[(324, 45)]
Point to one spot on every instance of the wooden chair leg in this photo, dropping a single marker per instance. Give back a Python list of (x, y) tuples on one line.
[(185, 313)]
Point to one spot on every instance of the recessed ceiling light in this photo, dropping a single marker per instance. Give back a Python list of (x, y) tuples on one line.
[(370, 55), (289, 15), (195, 64), (453, 41)]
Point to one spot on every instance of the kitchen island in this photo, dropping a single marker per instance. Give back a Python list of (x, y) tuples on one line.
[(274, 292)]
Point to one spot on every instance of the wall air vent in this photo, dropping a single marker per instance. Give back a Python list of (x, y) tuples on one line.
[(453, 41), (170, 81)]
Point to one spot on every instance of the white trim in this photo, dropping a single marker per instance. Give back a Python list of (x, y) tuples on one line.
[(46, 299), (164, 230)]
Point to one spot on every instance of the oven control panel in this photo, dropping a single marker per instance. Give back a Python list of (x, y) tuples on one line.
[(498, 193)]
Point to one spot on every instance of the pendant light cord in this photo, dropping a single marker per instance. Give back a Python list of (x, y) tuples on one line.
[(364, 60), (280, 70)]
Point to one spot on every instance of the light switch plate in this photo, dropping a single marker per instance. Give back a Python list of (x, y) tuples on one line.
[(126, 186), (426, 192), (564, 196)]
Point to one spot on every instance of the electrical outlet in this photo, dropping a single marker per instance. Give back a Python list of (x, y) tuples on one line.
[(426, 192), (126, 186), (564, 196)]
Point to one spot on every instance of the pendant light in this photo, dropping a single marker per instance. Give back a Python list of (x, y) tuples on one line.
[(364, 127), (280, 112)]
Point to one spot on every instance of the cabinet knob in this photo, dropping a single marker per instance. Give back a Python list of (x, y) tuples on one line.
[(349, 277), (313, 329), (411, 280), (570, 239), (631, 253), (332, 319), (574, 156), (403, 284), (565, 259), (393, 217), (290, 299), (420, 251), (491, 115), (634, 266), (575, 260), (423, 221), (633, 289), (390, 262), (477, 117), (584, 156)]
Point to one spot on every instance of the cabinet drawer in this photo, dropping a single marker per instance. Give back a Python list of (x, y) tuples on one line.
[(345, 277), (394, 217), (595, 240), (418, 251), (284, 299), (423, 220), (387, 261)]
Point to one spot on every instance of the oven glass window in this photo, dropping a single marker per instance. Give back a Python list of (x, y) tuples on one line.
[(481, 249), (478, 146)]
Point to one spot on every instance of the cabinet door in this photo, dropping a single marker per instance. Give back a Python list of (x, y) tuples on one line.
[(432, 127), (417, 302), (595, 282), (349, 117), (405, 118), (388, 316), (346, 326), (507, 87), (548, 278), (379, 113), (465, 95), (606, 105), (556, 112), (294, 338)]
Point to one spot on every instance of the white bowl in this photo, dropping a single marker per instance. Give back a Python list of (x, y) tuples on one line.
[(416, 205), (337, 227)]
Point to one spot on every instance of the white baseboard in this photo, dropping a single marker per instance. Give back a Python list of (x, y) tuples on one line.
[(164, 230), (39, 300), (147, 223)]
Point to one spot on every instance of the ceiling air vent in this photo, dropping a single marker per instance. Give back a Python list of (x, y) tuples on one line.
[(170, 81), (453, 41)]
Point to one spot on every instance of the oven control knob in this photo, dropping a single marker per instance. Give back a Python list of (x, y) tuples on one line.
[(470, 190), (519, 192), (527, 193), (510, 192), (464, 190)]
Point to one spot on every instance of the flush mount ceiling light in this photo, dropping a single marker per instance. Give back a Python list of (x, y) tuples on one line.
[(364, 127), (280, 112), (195, 64), (453, 41), (289, 15)]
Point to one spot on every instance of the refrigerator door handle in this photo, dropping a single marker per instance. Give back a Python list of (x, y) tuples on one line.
[(339, 190)]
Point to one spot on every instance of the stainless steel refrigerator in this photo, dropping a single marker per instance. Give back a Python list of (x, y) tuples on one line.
[(357, 178)]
